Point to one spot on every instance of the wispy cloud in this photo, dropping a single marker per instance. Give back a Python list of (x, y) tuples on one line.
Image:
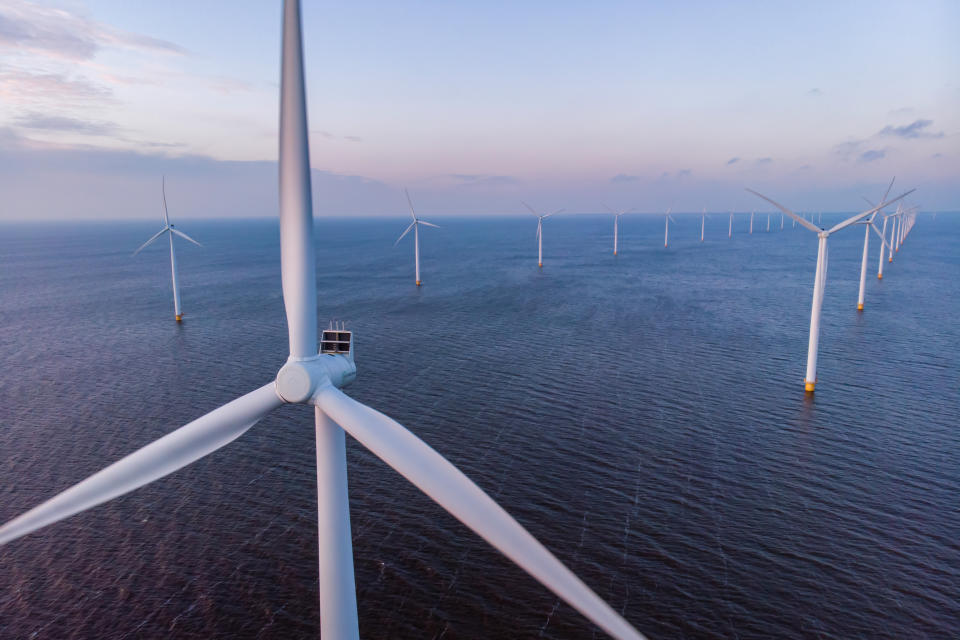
[(872, 154), (480, 180), (45, 122), (62, 33), (622, 178), (814, 92), (763, 161), (684, 173), (21, 87), (733, 161), (916, 129)]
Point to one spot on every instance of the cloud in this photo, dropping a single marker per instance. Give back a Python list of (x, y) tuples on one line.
[(814, 92), (684, 173), (62, 33), (902, 111), (353, 138), (18, 86), (479, 180), (916, 129), (733, 161), (44, 122), (622, 178), (805, 167), (872, 154), (848, 148), (762, 161)]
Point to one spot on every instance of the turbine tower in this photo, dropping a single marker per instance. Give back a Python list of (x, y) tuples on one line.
[(730, 227), (315, 379), (666, 229), (820, 280), (415, 225), (540, 219), (868, 224), (616, 225), (169, 229), (703, 222)]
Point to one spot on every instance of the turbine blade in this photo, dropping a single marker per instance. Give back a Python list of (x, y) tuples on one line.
[(173, 451), (800, 219), (868, 201), (608, 208), (530, 208), (412, 225), (185, 237), (410, 202), (297, 262), (890, 186), (429, 224), (152, 238), (555, 212), (880, 233), (163, 190), (451, 489), (859, 216)]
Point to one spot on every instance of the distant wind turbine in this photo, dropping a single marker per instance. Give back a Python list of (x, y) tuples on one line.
[(666, 227), (169, 229), (415, 225), (885, 244), (730, 228), (703, 222), (314, 379), (768, 223), (540, 219), (751, 221), (616, 225), (868, 222), (820, 280), (781, 222)]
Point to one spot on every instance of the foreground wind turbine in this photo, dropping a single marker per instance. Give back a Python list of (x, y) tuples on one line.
[(868, 225), (616, 225), (666, 229), (820, 280), (169, 229), (415, 225), (540, 219), (313, 378)]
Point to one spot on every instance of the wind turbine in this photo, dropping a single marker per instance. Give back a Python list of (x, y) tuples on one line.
[(768, 223), (540, 219), (616, 225), (313, 378), (415, 225), (820, 280), (666, 228), (885, 244), (730, 228), (168, 228), (703, 222), (781, 222), (868, 224), (751, 222)]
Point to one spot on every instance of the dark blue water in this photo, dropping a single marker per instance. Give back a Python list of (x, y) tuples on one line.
[(643, 415)]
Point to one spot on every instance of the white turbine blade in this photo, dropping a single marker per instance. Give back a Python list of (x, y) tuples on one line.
[(152, 238), (185, 236), (297, 262), (800, 219), (555, 212), (163, 190), (859, 216), (890, 186), (410, 202), (429, 224), (412, 225), (532, 210), (609, 209), (451, 489), (879, 233), (173, 451)]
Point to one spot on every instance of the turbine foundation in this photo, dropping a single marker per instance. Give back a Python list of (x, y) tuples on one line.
[(859, 306), (418, 283), (808, 386), (179, 317)]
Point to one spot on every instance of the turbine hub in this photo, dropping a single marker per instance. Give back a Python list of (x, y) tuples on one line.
[(298, 381)]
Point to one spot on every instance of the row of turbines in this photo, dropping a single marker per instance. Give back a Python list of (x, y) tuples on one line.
[(903, 221)]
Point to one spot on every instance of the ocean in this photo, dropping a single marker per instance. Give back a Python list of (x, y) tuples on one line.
[(642, 415)]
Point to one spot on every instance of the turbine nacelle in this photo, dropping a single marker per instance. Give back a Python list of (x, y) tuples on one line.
[(300, 380)]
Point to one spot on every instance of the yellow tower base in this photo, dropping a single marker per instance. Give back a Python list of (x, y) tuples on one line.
[(540, 264), (859, 306), (890, 259), (179, 318), (880, 276), (808, 386), (418, 283)]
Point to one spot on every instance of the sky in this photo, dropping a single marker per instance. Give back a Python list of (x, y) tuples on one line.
[(475, 106)]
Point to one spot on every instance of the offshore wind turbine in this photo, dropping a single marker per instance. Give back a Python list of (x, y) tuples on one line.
[(730, 227), (768, 223), (540, 219), (820, 280), (666, 227), (868, 225), (415, 225), (169, 229), (315, 379), (616, 225), (884, 244), (703, 222), (751, 222)]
